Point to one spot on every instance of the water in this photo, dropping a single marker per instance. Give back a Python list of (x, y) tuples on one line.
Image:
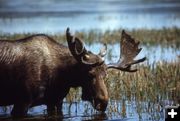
[(84, 111), (154, 54), (53, 16)]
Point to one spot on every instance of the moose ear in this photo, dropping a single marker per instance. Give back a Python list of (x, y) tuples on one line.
[(76, 46), (79, 46), (79, 52), (123, 33)]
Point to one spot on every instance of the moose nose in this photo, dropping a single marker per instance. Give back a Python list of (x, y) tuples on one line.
[(101, 105)]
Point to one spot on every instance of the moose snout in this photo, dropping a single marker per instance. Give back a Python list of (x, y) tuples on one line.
[(100, 104)]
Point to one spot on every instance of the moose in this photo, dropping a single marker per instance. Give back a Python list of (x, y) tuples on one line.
[(38, 70)]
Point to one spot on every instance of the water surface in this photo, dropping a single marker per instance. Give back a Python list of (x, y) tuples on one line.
[(55, 16), (154, 54)]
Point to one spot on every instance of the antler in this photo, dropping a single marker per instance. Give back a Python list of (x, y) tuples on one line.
[(103, 50), (129, 50)]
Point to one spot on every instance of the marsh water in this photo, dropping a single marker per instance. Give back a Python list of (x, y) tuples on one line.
[(54, 16)]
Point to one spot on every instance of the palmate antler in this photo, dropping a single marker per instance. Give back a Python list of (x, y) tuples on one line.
[(128, 51)]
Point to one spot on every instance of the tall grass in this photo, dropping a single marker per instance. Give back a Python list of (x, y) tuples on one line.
[(146, 36), (157, 86), (148, 90), (150, 83)]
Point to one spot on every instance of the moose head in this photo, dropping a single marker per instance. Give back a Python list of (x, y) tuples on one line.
[(94, 69)]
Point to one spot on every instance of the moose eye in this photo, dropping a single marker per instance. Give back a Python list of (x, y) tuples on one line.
[(86, 56)]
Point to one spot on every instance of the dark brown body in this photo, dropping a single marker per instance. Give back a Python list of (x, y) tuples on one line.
[(37, 70)]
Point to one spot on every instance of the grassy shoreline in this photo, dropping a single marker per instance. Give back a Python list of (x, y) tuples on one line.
[(165, 36)]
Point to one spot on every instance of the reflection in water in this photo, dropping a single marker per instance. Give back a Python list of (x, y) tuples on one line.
[(114, 112), (95, 117)]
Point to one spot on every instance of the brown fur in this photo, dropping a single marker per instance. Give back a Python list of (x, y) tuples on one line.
[(37, 70)]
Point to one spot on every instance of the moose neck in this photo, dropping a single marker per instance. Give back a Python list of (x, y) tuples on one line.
[(72, 71)]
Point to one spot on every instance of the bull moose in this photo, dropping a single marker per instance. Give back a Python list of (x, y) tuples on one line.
[(38, 70)]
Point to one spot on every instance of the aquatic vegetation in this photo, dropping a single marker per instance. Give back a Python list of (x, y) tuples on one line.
[(166, 36), (147, 91)]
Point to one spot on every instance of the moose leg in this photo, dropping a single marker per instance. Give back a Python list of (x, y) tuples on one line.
[(59, 108), (23, 102), (20, 110), (51, 110), (55, 109)]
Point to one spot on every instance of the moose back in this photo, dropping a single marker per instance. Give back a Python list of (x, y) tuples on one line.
[(37, 70)]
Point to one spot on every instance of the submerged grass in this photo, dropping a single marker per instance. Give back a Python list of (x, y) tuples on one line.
[(151, 88), (146, 36)]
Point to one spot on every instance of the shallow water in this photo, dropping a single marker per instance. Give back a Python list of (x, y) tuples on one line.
[(24, 16), (154, 54), (84, 111)]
